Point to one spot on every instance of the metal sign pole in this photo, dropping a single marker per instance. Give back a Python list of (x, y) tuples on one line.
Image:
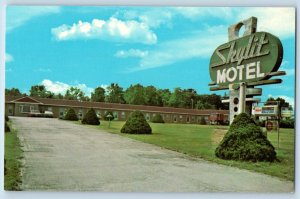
[(242, 103)]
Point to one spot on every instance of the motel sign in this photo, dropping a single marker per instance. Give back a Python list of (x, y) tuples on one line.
[(243, 63)]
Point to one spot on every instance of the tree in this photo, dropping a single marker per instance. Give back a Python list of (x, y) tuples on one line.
[(157, 119), (98, 95), (136, 124), (152, 98), (74, 93), (164, 95), (115, 94), (90, 118), (40, 91), (71, 115), (245, 141), (135, 95), (13, 92), (177, 98)]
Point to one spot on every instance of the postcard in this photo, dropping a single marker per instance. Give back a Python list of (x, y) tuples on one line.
[(150, 99)]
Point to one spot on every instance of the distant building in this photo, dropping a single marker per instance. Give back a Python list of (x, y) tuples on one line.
[(22, 106)]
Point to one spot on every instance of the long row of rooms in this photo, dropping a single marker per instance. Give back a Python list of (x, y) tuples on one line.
[(23, 106)]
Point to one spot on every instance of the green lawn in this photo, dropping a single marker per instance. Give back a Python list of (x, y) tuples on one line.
[(12, 154), (201, 141)]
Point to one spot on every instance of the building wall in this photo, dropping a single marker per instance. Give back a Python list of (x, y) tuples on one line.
[(120, 115)]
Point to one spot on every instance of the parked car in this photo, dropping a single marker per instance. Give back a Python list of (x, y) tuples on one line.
[(48, 114), (34, 113)]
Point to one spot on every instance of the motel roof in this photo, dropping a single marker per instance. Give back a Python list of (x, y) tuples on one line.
[(108, 106)]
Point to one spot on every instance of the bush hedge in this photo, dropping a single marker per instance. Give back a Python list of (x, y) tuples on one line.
[(245, 141), (71, 115), (288, 123), (90, 118), (107, 118), (7, 129), (157, 119), (136, 124)]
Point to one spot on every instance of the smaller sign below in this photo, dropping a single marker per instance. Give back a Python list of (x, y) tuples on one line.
[(268, 110), (256, 110)]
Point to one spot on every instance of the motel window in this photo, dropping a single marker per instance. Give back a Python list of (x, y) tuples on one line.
[(50, 109), (175, 119), (153, 115), (167, 116), (180, 116), (123, 115), (25, 108), (188, 119), (193, 118)]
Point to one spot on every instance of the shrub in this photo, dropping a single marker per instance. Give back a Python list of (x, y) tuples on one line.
[(136, 124), (6, 118), (107, 118), (7, 129), (245, 141), (90, 118), (288, 123), (71, 115), (157, 119), (202, 121)]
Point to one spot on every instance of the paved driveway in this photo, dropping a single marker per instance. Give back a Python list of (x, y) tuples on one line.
[(60, 155)]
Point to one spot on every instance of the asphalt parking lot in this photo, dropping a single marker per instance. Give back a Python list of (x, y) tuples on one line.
[(63, 156)]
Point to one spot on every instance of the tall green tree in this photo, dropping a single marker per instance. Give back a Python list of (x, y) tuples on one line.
[(14, 92), (74, 93), (40, 91), (152, 97), (98, 95), (135, 94), (165, 95), (177, 98), (115, 94)]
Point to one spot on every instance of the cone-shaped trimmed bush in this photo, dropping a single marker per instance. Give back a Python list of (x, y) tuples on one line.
[(71, 115), (157, 119), (136, 124), (245, 141), (90, 118)]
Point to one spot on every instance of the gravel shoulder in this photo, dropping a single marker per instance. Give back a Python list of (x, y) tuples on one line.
[(62, 156)]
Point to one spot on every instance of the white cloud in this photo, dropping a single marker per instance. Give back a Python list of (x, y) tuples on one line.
[(200, 45), (60, 87), (195, 13), (131, 53), (19, 15), (279, 21), (290, 100), (112, 29), (8, 58)]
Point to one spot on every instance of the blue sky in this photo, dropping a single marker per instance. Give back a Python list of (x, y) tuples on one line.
[(166, 47)]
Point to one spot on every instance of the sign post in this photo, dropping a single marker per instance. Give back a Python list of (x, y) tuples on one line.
[(245, 62)]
